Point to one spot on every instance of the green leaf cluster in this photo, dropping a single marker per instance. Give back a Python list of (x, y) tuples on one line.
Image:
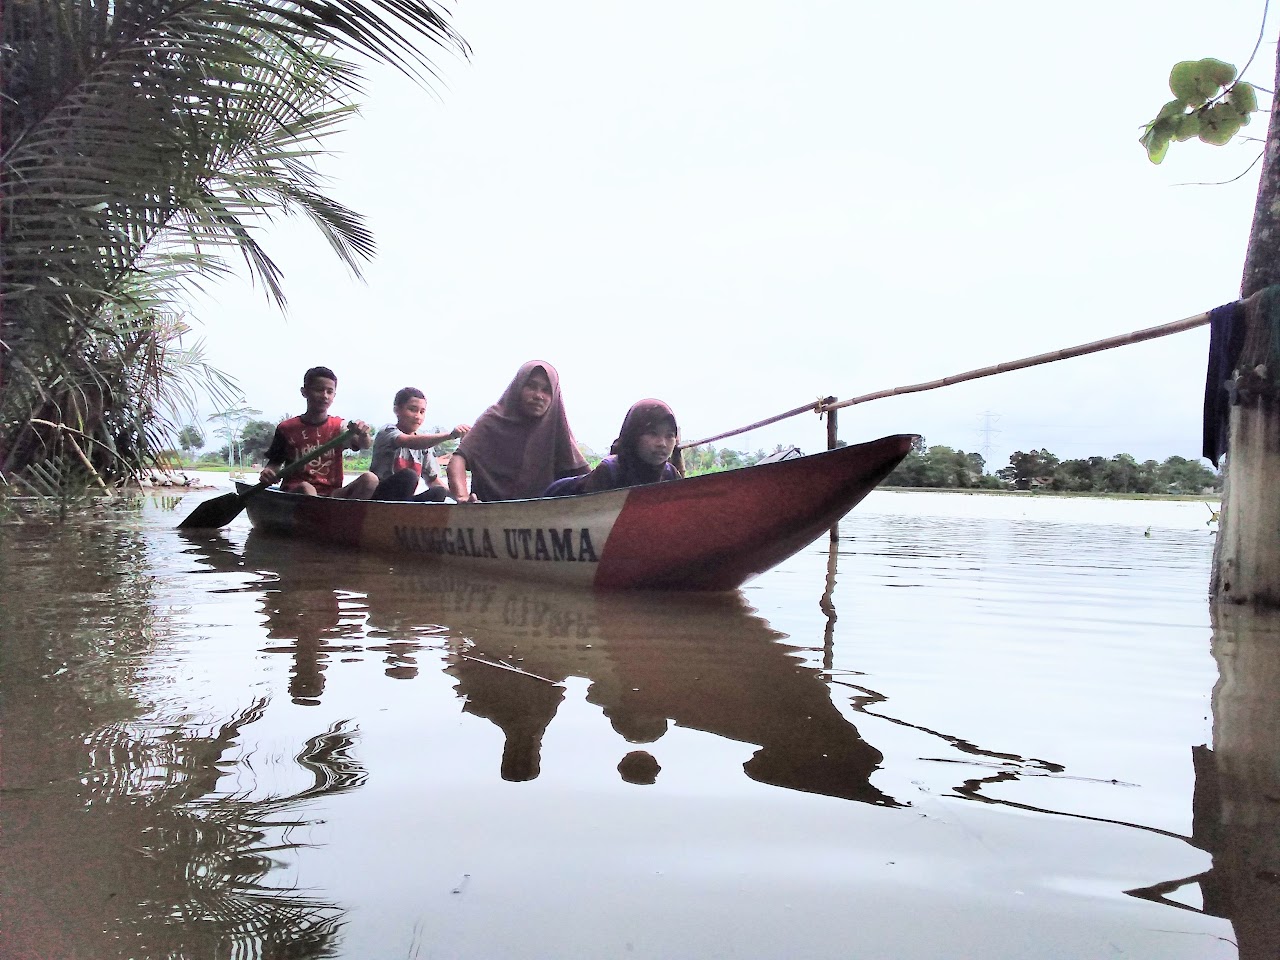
[(1208, 102)]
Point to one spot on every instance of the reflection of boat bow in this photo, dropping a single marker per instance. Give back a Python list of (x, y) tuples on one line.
[(711, 532), (702, 663)]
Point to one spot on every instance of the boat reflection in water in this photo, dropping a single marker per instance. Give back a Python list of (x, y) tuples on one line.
[(705, 662), (709, 663)]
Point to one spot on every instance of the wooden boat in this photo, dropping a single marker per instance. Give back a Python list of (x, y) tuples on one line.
[(712, 532)]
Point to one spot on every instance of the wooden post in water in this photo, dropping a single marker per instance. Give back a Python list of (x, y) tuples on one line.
[(1246, 561), (832, 441)]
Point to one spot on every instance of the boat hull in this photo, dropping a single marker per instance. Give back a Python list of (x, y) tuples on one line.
[(712, 532)]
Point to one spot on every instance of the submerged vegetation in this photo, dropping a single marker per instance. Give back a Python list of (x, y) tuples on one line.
[(145, 144)]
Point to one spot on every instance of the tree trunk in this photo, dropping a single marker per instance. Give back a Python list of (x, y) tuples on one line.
[(1246, 567)]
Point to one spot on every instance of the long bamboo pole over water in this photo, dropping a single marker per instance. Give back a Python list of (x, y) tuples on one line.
[(1150, 333), (829, 405)]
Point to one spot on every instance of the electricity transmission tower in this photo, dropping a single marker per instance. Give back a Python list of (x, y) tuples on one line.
[(986, 434)]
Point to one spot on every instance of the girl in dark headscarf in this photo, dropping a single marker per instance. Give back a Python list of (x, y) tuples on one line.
[(520, 444), (645, 452)]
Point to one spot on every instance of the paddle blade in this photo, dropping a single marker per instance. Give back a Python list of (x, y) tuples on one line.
[(217, 512)]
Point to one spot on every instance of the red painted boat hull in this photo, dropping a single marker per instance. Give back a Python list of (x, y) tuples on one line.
[(712, 532)]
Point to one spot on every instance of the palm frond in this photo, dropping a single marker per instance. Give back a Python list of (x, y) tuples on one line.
[(146, 143)]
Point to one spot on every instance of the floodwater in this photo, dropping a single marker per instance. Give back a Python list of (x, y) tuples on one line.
[(996, 727)]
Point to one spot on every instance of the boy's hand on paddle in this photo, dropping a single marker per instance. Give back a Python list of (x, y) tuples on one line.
[(268, 475), (364, 434)]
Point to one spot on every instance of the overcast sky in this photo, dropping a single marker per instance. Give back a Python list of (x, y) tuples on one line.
[(740, 207)]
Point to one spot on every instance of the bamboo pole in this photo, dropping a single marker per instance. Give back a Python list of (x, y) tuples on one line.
[(510, 669), (1137, 336), (816, 406), (829, 405)]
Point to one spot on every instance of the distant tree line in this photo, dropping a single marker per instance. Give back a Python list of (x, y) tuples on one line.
[(1119, 474), (943, 467), (708, 459), (940, 466)]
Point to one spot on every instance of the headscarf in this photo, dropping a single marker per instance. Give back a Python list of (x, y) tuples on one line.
[(643, 415), (512, 457)]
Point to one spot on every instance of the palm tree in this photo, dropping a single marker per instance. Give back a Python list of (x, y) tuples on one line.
[(143, 142)]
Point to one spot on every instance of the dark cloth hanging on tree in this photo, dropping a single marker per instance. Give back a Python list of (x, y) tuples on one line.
[(1226, 335), (1269, 304)]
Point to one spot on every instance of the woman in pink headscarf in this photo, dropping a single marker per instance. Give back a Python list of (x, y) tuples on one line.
[(520, 444)]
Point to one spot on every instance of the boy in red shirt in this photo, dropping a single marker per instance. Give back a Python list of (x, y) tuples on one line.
[(322, 477)]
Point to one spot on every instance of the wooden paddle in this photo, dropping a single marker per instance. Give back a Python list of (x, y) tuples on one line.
[(220, 511)]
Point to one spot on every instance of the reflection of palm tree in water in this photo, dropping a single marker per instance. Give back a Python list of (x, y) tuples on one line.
[(209, 846), (186, 864)]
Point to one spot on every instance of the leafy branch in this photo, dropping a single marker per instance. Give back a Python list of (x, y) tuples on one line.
[(1208, 102)]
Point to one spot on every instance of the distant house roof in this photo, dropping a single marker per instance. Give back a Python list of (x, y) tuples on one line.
[(790, 453)]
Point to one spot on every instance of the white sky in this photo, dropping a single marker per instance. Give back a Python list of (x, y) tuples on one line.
[(739, 207)]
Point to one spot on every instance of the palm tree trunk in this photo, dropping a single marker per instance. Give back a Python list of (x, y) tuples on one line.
[(1246, 563)]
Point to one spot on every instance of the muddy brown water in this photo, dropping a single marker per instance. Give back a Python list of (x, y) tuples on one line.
[(980, 727)]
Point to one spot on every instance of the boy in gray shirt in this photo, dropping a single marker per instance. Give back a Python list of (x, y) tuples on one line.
[(401, 455)]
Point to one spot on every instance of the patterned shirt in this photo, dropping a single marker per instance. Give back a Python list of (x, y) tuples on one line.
[(293, 440)]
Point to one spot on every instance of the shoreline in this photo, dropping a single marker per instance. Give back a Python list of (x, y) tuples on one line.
[(1069, 494)]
